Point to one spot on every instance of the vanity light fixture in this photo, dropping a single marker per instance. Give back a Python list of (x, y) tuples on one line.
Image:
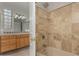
[(19, 17)]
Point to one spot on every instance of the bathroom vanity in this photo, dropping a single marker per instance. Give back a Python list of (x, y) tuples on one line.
[(10, 42), (14, 29)]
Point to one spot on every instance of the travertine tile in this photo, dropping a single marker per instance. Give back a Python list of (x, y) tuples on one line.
[(67, 45), (61, 26), (75, 29), (41, 29)]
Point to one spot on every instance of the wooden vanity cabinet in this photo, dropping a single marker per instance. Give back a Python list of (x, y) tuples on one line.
[(11, 42), (17, 41), (7, 43), (24, 40)]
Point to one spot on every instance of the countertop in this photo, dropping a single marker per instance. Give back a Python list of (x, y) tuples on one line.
[(13, 33)]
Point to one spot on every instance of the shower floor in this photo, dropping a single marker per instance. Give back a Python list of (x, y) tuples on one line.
[(50, 51)]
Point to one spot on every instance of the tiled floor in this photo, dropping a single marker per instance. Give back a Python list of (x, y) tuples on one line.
[(18, 52), (32, 48)]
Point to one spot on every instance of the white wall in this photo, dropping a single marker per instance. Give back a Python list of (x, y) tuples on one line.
[(32, 29), (32, 20)]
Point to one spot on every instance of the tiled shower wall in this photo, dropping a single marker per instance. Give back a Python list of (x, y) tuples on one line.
[(58, 29), (41, 29), (75, 28)]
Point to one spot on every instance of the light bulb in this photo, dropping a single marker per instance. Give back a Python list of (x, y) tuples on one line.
[(23, 17), (16, 16), (19, 17)]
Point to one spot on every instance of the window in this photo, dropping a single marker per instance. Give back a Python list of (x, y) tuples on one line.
[(7, 19)]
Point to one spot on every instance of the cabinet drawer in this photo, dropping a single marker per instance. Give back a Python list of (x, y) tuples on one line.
[(12, 46), (18, 43), (9, 47), (22, 42), (26, 41), (4, 44), (4, 48), (5, 37), (12, 41), (3, 40)]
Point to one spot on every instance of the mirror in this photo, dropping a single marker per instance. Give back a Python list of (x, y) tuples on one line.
[(13, 24), (14, 17)]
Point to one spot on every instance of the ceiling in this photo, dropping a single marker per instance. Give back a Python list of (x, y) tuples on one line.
[(21, 7), (54, 5)]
